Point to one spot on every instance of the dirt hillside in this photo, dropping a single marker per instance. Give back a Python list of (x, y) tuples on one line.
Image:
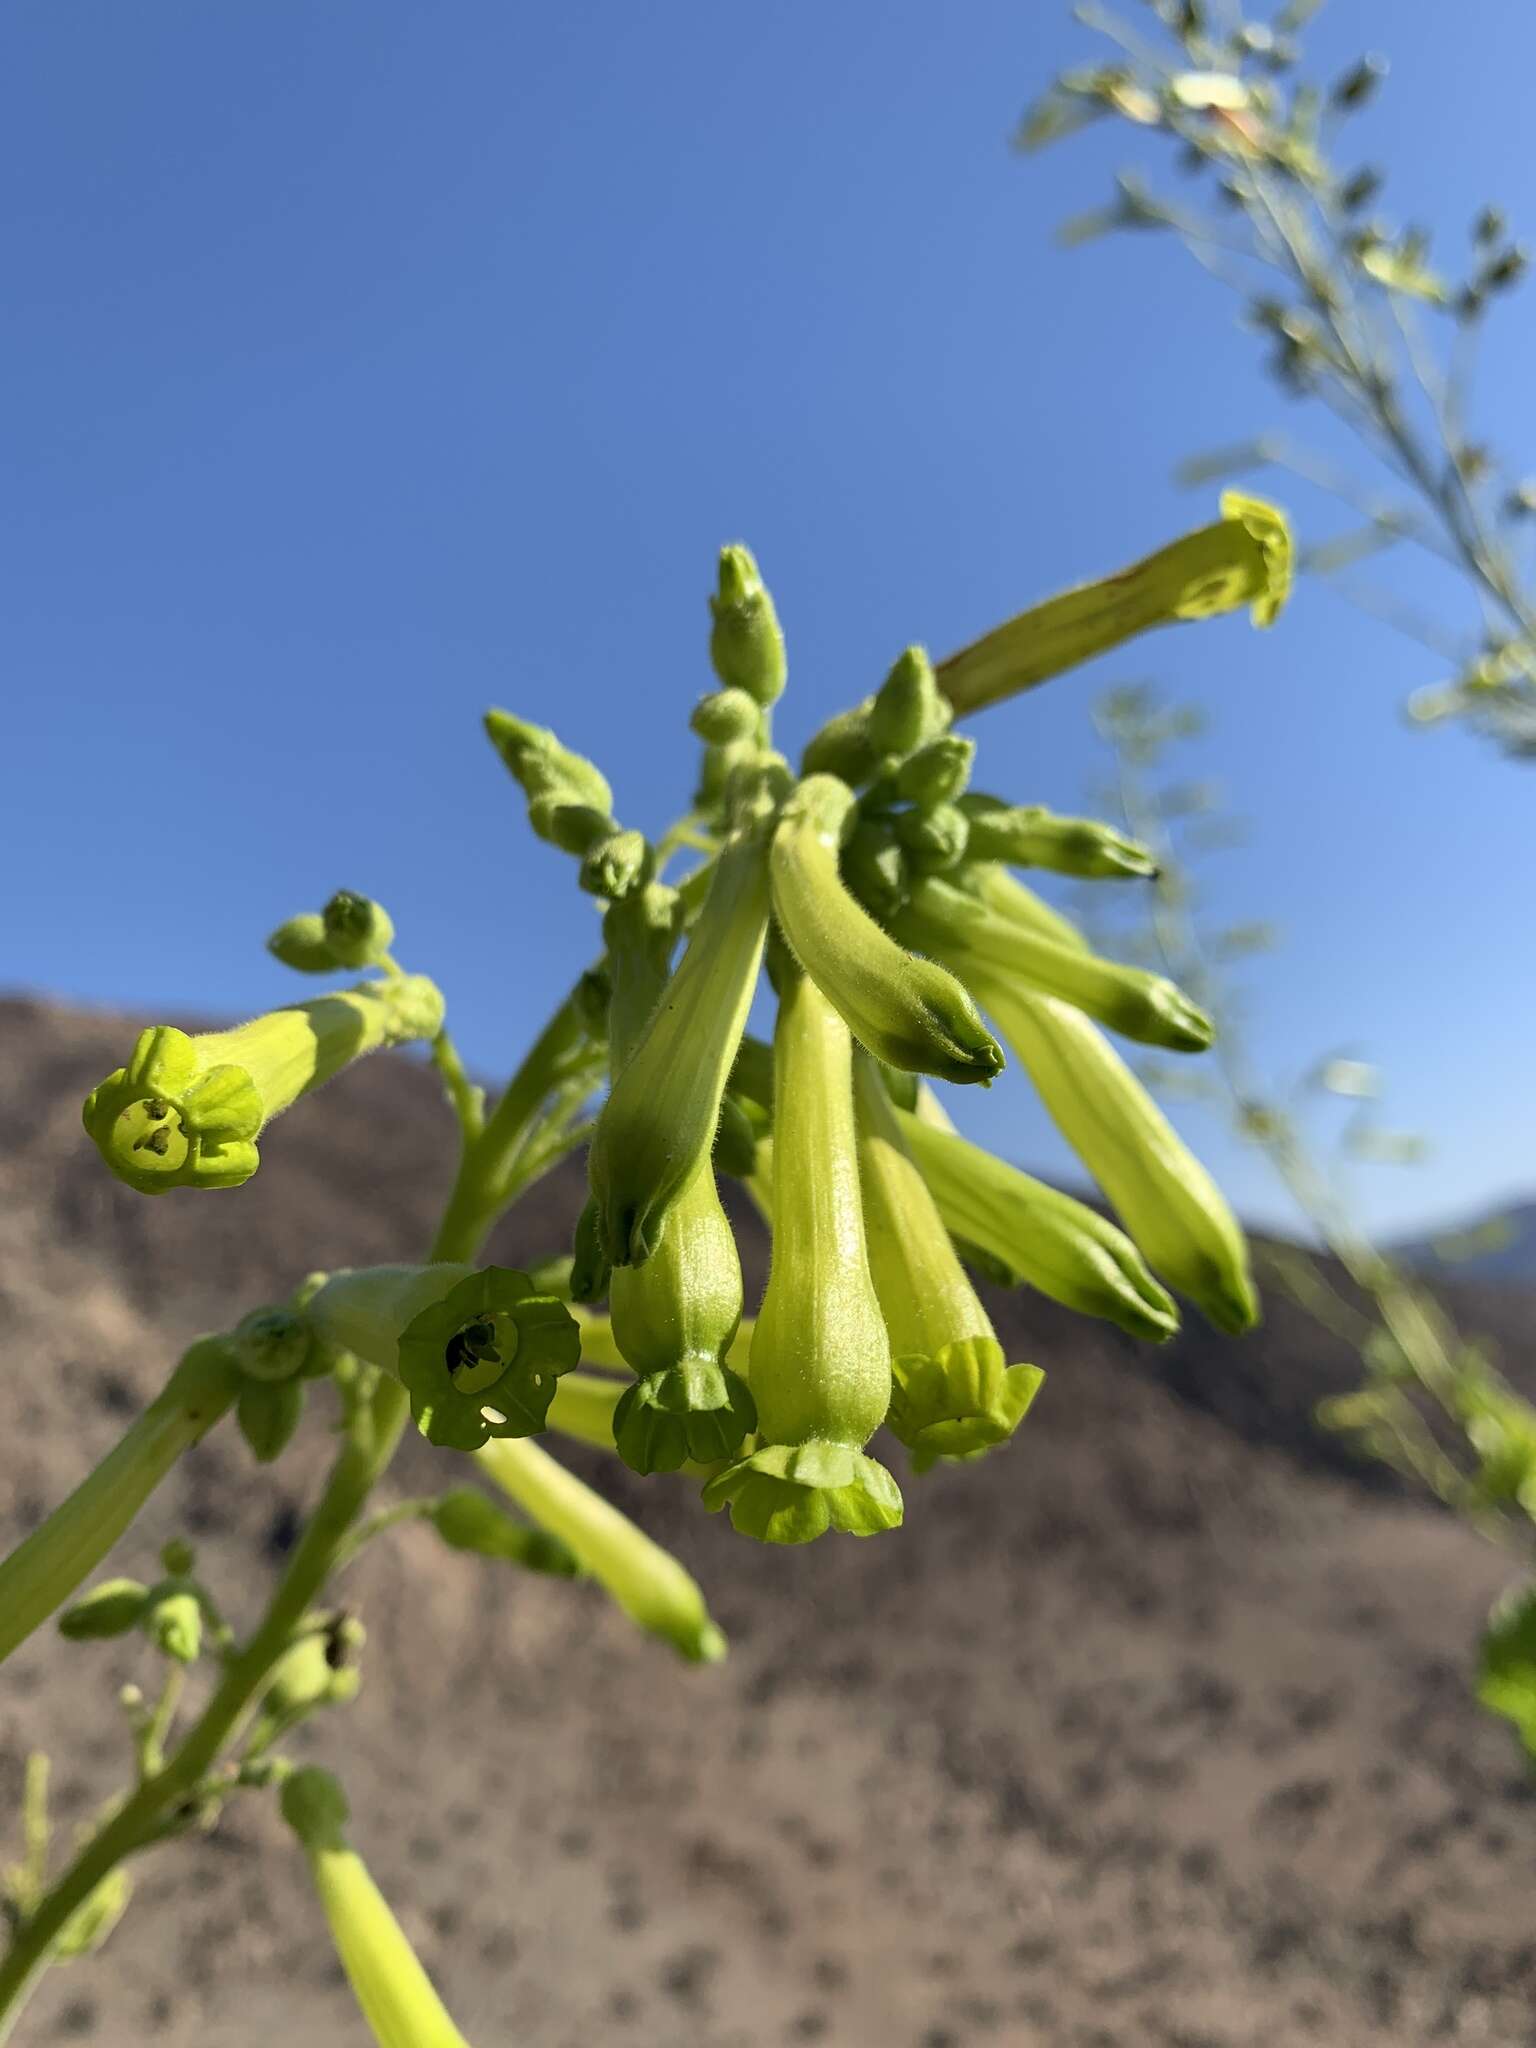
[(1151, 1732)]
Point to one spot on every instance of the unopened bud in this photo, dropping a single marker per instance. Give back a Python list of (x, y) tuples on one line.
[(358, 931), (746, 644)]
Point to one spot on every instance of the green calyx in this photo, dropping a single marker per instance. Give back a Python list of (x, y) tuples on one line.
[(483, 1361), (746, 645), (186, 1112), (908, 709), (964, 1398), (727, 716), (938, 772), (657, 1128), (1036, 1234), (909, 1012), (617, 865), (569, 801), (793, 1493), (110, 1609), (1029, 836), (358, 931), (982, 943), (276, 1344), (935, 837), (694, 1412)]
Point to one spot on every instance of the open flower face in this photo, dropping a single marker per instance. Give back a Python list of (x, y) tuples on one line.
[(483, 1361)]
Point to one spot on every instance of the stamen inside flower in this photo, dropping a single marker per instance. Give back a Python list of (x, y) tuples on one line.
[(151, 1135), (479, 1353)]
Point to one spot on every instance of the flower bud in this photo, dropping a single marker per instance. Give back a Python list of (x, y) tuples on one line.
[(843, 747), (725, 716), (1163, 1195), (938, 772), (953, 1390), (466, 1520), (358, 931), (1029, 836), (94, 1919), (110, 1609), (268, 1412), (276, 1344), (301, 944), (982, 945), (908, 1012), (173, 1621), (478, 1352), (1037, 1234), (393, 1991), (908, 709), (935, 839), (650, 1586), (185, 1112), (44, 1570), (1245, 558), (746, 645), (615, 865), (735, 1150), (658, 1125), (875, 868), (821, 1362)]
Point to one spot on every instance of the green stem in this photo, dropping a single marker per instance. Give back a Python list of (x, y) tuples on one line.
[(492, 1171)]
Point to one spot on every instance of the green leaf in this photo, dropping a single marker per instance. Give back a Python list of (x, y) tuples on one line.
[(1506, 1677)]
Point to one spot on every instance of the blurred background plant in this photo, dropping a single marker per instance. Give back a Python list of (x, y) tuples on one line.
[(1350, 310), (1352, 313)]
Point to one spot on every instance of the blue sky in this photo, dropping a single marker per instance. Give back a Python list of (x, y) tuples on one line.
[(365, 364)]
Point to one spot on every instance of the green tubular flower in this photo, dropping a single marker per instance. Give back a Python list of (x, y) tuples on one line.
[(569, 801), (975, 939), (1029, 836), (1039, 1235), (1163, 1195), (908, 709), (675, 1316), (1244, 559), (43, 1571), (186, 1112), (953, 1389), (910, 1013), (1007, 895), (821, 1360), (640, 1577), (393, 1991), (478, 1352), (467, 1521), (746, 645), (657, 1127)]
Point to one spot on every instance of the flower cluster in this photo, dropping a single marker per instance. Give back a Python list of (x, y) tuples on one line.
[(875, 886)]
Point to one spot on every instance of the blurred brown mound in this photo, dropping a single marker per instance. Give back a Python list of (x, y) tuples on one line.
[(1150, 1732)]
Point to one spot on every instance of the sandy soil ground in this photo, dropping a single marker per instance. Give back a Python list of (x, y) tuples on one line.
[(1152, 1732)]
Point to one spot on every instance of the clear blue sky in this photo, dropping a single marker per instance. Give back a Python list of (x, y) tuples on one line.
[(366, 363)]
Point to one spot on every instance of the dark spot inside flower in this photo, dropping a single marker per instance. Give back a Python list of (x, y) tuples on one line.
[(158, 1142), (155, 1109)]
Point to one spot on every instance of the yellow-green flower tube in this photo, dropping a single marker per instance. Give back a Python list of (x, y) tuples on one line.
[(393, 1991), (43, 1571), (639, 1576), (975, 939), (821, 1361), (186, 1112), (1244, 559), (954, 1390), (657, 1128), (1062, 1247), (1167, 1201), (910, 1013)]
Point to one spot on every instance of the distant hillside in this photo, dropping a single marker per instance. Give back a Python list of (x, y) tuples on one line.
[(1499, 1248), (1152, 1731)]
